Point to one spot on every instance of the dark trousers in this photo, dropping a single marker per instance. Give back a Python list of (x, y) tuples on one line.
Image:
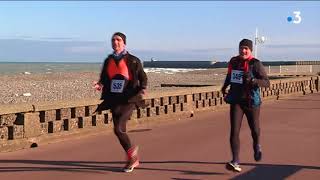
[(236, 115), (120, 115)]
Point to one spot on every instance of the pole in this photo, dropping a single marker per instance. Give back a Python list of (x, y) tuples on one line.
[(256, 44)]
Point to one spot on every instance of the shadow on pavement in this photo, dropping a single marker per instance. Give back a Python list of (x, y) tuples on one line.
[(139, 130), (270, 171), (87, 166), (260, 171), (298, 108), (303, 100), (69, 166), (184, 179)]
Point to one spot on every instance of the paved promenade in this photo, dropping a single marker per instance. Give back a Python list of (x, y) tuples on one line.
[(190, 149)]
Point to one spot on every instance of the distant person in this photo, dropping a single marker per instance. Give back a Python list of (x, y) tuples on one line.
[(123, 82), (245, 75)]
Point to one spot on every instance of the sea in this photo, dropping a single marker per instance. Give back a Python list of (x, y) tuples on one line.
[(46, 67), (10, 68)]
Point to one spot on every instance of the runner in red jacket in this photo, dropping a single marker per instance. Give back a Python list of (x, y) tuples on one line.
[(123, 82)]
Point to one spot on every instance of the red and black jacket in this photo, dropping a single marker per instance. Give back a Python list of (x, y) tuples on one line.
[(254, 76), (137, 78)]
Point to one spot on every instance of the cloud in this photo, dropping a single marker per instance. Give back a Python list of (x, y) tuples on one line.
[(41, 50), (221, 54), (210, 50), (56, 38), (23, 37), (95, 51), (85, 49), (293, 46)]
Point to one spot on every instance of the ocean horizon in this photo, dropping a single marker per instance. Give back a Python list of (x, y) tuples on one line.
[(9, 68), (48, 67)]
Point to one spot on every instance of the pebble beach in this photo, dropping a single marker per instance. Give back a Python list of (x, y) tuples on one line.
[(68, 86)]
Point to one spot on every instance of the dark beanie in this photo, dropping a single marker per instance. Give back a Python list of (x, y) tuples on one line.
[(123, 37), (246, 42)]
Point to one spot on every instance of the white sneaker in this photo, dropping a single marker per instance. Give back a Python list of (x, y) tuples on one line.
[(133, 159), (233, 167), (131, 165)]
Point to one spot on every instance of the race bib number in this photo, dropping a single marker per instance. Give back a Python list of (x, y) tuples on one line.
[(117, 86), (237, 76)]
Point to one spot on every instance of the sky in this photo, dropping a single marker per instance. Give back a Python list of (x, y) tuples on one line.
[(80, 31)]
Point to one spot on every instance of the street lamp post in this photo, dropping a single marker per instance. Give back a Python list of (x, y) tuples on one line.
[(258, 40)]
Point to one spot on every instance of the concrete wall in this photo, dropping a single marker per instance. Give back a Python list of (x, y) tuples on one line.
[(30, 125), (215, 64), (293, 69)]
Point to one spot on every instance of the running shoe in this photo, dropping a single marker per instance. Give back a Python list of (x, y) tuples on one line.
[(131, 165), (133, 159), (233, 166), (257, 153)]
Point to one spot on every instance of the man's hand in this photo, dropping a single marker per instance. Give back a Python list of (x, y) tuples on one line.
[(143, 92), (223, 90), (247, 78), (97, 86)]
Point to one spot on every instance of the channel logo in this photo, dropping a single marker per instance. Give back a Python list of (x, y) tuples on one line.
[(296, 18)]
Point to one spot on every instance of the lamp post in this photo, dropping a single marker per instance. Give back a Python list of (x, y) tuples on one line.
[(258, 40)]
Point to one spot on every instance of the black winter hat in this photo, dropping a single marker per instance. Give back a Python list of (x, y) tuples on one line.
[(246, 42), (123, 37)]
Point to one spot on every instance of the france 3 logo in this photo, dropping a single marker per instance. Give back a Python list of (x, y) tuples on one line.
[(296, 18)]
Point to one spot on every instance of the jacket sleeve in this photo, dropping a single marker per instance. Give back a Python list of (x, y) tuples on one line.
[(103, 74), (226, 81), (228, 76), (142, 76), (261, 78)]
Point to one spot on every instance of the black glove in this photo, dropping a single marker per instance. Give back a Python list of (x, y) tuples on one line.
[(223, 90), (247, 78)]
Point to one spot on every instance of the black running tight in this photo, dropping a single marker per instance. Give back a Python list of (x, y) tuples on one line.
[(120, 116), (236, 115)]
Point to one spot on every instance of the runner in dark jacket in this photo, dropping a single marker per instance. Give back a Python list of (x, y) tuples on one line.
[(123, 82), (245, 75)]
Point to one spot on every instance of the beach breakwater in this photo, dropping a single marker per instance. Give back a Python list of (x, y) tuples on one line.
[(31, 125), (216, 64)]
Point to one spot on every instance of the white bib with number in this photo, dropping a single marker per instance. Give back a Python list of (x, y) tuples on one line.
[(117, 85), (237, 76)]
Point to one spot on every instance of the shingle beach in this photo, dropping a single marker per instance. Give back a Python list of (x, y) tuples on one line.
[(68, 86)]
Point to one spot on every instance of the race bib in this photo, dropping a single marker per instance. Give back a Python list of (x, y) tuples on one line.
[(117, 85), (237, 76)]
